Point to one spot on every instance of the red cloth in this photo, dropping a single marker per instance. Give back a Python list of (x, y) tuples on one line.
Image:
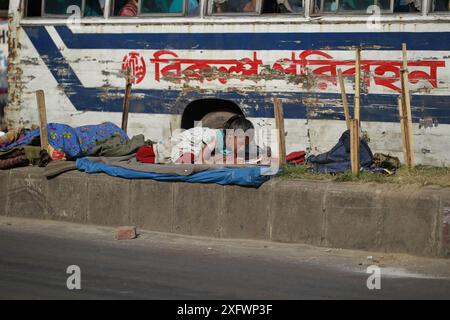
[(297, 162), (146, 154), (129, 10), (296, 157)]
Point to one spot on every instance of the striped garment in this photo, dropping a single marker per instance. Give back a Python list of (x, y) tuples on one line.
[(129, 10)]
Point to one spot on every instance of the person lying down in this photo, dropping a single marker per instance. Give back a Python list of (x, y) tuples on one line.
[(200, 145)]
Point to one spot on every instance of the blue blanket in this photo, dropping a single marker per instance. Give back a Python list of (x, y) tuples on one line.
[(247, 177)]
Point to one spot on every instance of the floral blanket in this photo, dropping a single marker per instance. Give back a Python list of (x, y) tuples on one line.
[(69, 142), (79, 142)]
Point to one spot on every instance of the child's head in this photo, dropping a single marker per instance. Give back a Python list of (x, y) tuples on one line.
[(238, 122), (236, 128)]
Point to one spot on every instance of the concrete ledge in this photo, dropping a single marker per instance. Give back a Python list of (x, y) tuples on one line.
[(376, 217)]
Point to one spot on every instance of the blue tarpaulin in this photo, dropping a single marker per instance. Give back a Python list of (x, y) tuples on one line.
[(247, 177)]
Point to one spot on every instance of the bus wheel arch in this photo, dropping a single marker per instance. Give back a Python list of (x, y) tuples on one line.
[(213, 113)]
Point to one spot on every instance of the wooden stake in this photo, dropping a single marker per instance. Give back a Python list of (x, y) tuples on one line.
[(355, 122), (406, 111), (344, 99), (403, 129), (357, 83), (354, 146), (40, 97), (126, 101), (279, 124)]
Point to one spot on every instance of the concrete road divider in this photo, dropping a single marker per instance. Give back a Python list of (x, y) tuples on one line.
[(377, 217)]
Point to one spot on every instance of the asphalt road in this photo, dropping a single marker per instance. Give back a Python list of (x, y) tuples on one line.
[(34, 256)]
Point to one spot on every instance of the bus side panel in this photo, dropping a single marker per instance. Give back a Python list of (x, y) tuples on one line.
[(81, 71)]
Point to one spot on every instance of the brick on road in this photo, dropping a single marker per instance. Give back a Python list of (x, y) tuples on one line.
[(125, 233)]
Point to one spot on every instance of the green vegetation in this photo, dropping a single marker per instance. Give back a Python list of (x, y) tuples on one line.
[(422, 175)]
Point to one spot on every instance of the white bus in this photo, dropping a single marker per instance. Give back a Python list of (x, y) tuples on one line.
[(207, 59), (3, 55)]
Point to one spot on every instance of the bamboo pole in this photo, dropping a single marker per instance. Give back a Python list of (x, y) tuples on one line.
[(354, 146), (406, 111), (344, 99), (126, 101), (279, 124), (357, 84), (42, 111)]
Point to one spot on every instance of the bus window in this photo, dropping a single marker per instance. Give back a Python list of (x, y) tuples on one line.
[(126, 8), (60, 7), (4, 4), (234, 6), (440, 6), (33, 8), (363, 6), (385, 5), (129, 8), (159, 6), (325, 6), (92, 8), (193, 7), (283, 6), (407, 6)]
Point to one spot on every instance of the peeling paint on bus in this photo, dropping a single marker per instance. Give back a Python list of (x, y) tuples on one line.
[(82, 73)]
